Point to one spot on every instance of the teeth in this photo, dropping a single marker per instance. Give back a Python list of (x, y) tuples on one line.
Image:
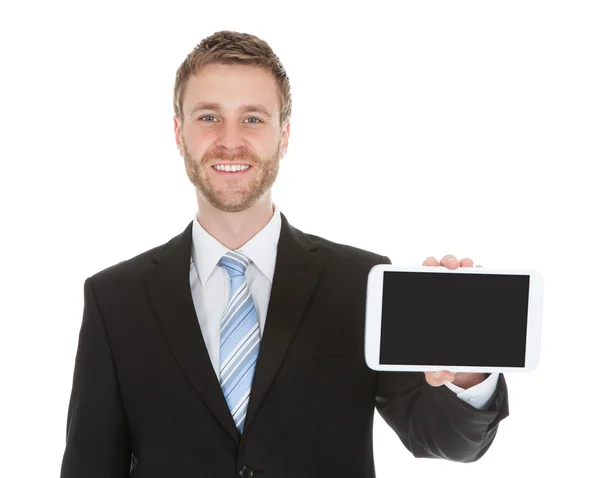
[(231, 167)]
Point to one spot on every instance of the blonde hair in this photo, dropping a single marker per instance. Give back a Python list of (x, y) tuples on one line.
[(233, 48)]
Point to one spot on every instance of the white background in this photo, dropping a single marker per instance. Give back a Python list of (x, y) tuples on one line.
[(422, 128)]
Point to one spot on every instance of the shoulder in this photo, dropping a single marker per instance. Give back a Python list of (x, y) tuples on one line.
[(128, 266), (141, 262), (335, 251), (328, 250)]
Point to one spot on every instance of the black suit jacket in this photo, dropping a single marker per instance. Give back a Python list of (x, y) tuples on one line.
[(146, 402)]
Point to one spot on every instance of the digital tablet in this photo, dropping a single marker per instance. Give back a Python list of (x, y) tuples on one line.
[(471, 319)]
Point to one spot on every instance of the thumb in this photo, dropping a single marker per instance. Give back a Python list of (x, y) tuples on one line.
[(436, 379)]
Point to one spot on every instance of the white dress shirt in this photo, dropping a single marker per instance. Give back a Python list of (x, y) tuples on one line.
[(209, 284)]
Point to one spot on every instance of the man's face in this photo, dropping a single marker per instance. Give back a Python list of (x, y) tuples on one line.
[(231, 121)]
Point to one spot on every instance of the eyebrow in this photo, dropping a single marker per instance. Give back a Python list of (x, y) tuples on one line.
[(219, 107)]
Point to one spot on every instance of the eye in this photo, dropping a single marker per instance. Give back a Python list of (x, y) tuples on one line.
[(254, 117), (206, 116)]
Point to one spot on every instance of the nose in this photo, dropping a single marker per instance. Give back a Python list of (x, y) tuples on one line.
[(230, 136)]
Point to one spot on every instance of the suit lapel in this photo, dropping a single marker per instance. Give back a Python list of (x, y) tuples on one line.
[(168, 286), (297, 270)]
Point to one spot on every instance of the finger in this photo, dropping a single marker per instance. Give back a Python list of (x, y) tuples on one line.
[(450, 262), (431, 261), (436, 379), (466, 262)]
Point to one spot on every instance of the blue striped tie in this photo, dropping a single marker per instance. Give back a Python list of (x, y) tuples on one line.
[(240, 338)]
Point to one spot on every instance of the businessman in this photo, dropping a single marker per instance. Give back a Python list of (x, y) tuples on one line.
[(236, 348)]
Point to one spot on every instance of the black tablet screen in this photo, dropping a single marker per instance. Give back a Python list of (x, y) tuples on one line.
[(434, 318)]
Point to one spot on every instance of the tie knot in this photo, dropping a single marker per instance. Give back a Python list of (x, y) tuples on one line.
[(235, 262)]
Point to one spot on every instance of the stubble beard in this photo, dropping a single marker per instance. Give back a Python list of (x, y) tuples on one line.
[(234, 197)]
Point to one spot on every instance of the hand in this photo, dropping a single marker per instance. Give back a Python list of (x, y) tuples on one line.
[(462, 380)]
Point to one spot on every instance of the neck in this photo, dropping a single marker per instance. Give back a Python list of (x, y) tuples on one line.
[(234, 229)]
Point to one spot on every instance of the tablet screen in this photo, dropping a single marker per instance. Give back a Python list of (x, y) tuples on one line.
[(460, 319)]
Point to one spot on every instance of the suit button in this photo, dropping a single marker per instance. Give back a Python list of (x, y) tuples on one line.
[(246, 472)]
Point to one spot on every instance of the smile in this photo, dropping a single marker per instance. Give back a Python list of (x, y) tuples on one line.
[(231, 167)]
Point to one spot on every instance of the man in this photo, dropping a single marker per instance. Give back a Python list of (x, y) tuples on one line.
[(236, 348)]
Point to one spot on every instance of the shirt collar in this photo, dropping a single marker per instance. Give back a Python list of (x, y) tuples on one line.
[(261, 249)]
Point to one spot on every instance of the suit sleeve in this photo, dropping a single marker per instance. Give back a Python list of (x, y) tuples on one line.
[(97, 444), (433, 422)]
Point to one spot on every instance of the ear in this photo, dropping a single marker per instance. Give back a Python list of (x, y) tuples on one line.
[(177, 130), (285, 138)]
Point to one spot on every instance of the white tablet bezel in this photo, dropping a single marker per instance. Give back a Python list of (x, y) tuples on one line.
[(373, 319)]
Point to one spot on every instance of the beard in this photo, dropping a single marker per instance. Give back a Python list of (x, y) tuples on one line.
[(235, 196)]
